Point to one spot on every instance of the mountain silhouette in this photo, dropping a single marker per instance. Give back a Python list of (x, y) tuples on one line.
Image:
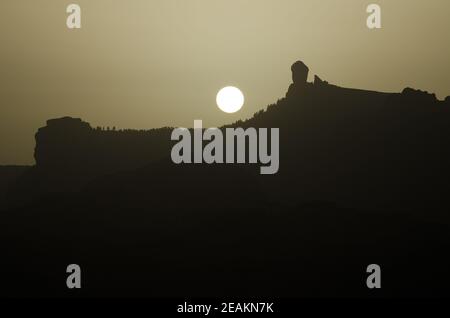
[(354, 147), (363, 178)]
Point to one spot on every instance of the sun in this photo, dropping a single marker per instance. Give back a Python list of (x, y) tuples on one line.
[(230, 99)]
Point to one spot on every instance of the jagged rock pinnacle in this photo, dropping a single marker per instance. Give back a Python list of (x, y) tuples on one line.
[(299, 72), (299, 77)]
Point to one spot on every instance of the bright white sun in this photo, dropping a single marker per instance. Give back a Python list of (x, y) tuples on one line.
[(230, 99)]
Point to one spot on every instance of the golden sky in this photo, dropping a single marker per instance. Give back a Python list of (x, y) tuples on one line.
[(151, 63)]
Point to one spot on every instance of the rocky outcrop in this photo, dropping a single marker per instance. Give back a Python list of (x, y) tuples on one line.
[(71, 144), (299, 73), (318, 81), (299, 79), (418, 96), (62, 142)]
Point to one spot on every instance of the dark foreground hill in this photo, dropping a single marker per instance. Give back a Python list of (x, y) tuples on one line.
[(200, 231), (363, 179)]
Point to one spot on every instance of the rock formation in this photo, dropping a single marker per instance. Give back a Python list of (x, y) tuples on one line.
[(299, 79), (72, 144)]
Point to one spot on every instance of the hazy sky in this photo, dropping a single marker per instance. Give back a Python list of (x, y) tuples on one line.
[(151, 63)]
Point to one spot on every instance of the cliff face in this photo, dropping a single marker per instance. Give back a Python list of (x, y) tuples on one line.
[(72, 144), (63, 142)]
